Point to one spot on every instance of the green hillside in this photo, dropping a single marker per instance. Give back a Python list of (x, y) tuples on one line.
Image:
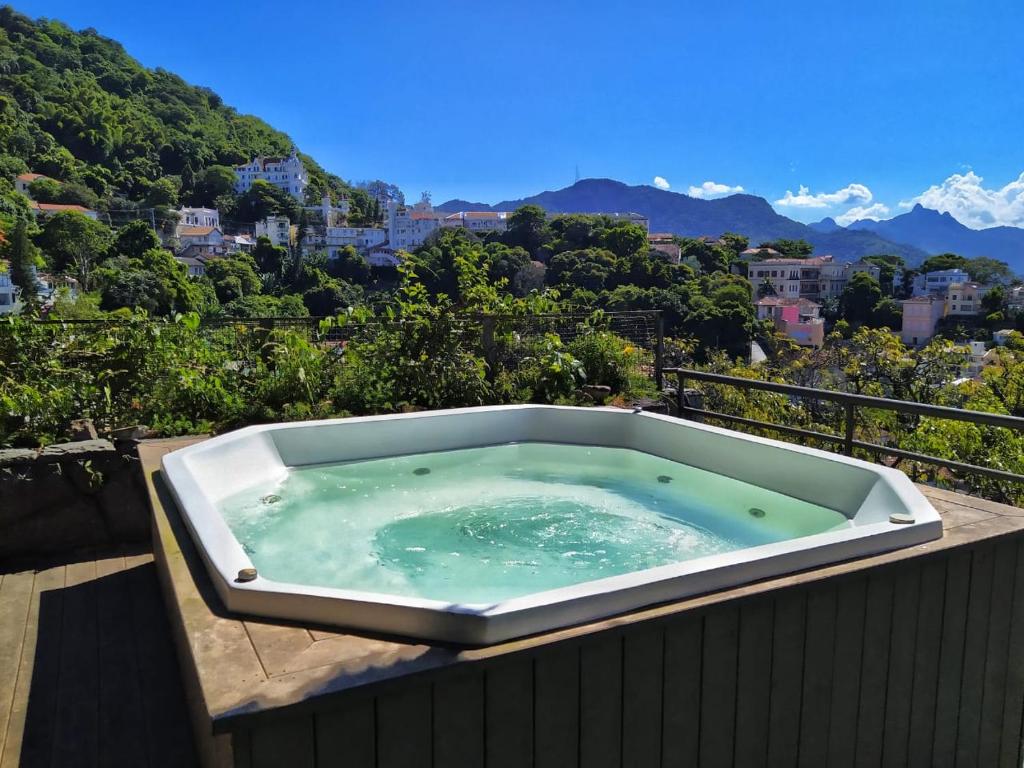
[(76, 107)]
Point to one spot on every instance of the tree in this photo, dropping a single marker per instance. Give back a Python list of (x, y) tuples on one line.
[(505, 262), (527, 228), (44, 190), (994, 300), (269, 258), (162, 193), (942, 262), (211, 185), (889, 265), (134, 239), (887, 313), (266, 306), (329, 296), (23, 258), (712, 258), (737, 244), (625, 239), (73, 242), (790, 249), (350, 266), (263, 199), (858, 299), (155, 282), (233, 277), (982, 269)]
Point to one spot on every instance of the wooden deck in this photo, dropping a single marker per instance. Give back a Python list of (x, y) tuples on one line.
[(909, 657), (88, 675)]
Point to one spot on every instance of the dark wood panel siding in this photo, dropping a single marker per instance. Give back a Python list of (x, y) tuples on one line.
[(912, 663)]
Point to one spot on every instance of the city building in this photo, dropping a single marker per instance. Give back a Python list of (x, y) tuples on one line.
[(478, 221), (194, 241), (49, 284), (8, 291), (382, 256), (977, 359), (787, 278), (965, 298), (24, 180), (938, 281), (287, 173), (197, 217), (665, 242), (799, 319), (360, 238), (277, 228), (196, 265), (49, 209), (835, 276), (920, 314), (1001, 337), (1015, 298), (326, 214), (238, 243), (409, 227)]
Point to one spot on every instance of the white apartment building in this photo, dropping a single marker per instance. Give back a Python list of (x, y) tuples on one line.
[(197, 217), (8, 293), (478, 221), (328, 215), (409, 227), (938, 281), (287, 173), (277, 228), (335, 239)]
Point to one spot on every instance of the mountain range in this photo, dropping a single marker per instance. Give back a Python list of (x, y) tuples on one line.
[(936, 232), (914, 235)]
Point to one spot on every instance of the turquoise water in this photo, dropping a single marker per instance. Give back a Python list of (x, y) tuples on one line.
[(486, 524)]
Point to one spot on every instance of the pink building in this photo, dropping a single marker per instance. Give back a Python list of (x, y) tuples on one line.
[(797, 318), (920, 314)]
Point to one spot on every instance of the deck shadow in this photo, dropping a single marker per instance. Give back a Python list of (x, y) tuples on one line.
[(105, 687)]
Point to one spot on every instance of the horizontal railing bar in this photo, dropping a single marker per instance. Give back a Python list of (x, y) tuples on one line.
[(996, 474), (959, 466), (763, 424), (863, 401)]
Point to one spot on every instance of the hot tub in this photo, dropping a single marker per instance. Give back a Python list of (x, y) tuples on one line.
[(481, 524)]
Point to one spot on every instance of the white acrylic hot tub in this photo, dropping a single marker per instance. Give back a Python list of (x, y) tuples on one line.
[(868, 496)]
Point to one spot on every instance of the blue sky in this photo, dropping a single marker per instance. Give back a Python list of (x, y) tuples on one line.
[(865, 106)]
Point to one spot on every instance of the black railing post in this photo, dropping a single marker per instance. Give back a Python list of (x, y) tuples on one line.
[(680, 396), (848, 436), (659, 350)]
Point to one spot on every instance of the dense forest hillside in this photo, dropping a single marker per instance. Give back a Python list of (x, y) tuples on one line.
[(76, 107), (692, 217)]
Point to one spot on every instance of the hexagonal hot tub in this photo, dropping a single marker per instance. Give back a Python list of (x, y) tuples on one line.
[(480, 524)]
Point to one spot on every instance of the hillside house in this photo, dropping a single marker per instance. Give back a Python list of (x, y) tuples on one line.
[(286, 173), (920, 314), (799, 319)]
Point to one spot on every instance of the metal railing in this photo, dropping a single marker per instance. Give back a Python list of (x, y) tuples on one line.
[(850, 402)]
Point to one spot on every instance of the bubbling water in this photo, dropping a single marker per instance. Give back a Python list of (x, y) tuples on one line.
[(481, 525)]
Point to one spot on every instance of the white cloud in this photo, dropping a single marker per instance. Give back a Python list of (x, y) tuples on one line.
[(713, 189), (964, 196), (874, 212), (804, 199), (661, 182)]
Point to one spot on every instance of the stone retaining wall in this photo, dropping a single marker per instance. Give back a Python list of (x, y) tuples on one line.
[(70, 496)]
